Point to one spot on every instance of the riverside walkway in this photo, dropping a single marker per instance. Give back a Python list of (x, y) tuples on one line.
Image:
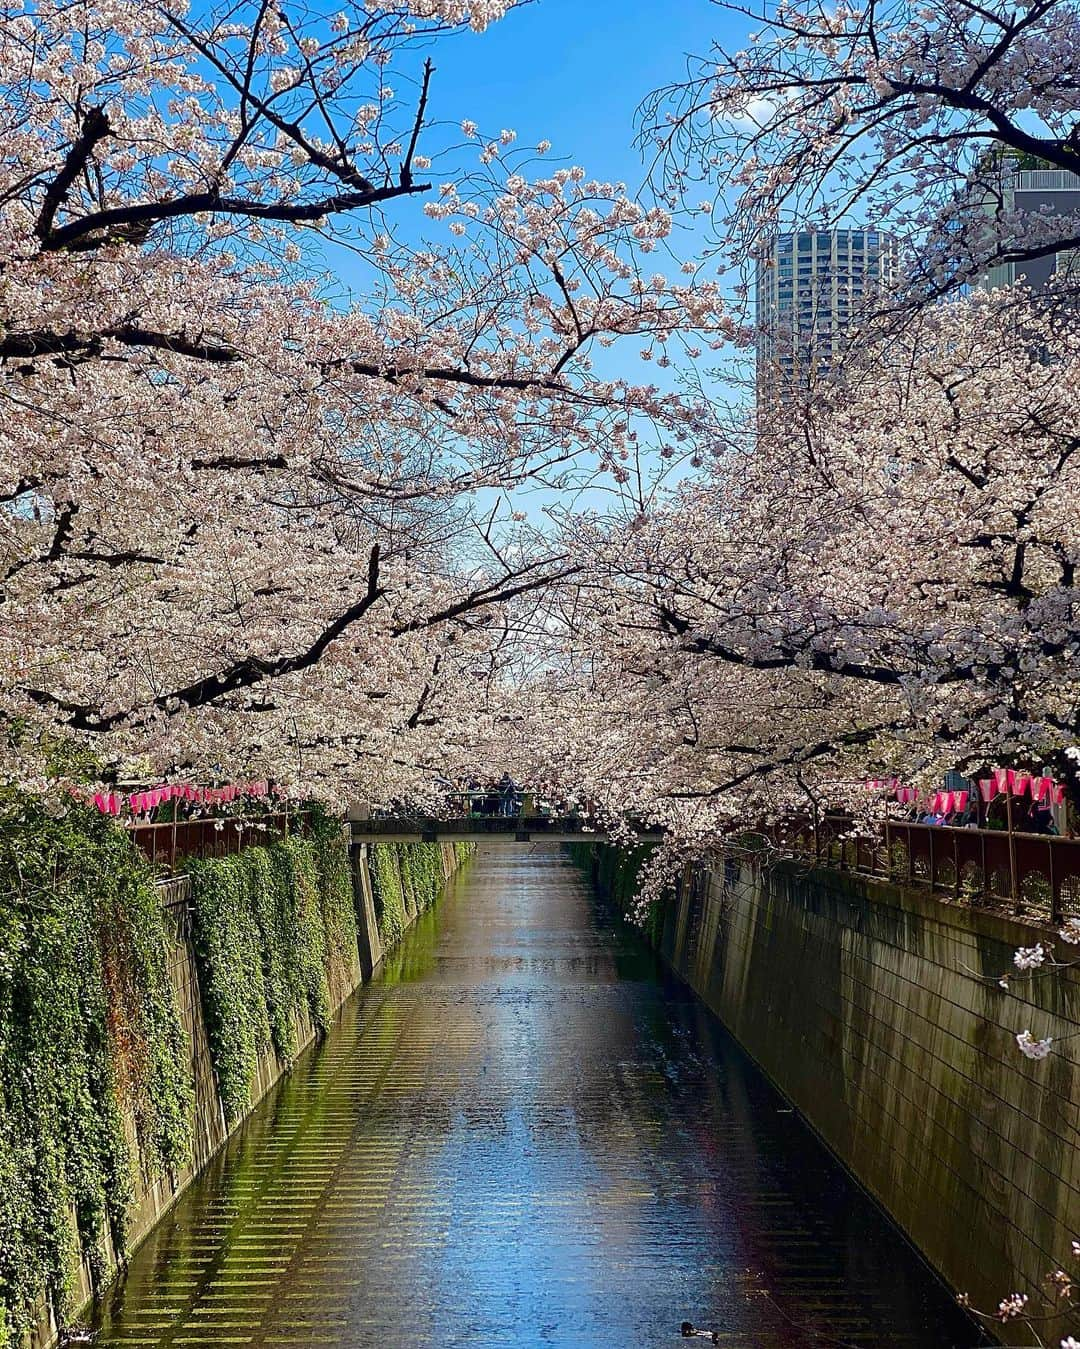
[(522, 1133)]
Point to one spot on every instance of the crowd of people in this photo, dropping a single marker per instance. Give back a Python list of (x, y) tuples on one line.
[(1028, 817), (502, 798)]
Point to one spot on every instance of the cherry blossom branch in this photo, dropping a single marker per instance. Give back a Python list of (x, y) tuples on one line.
[(95, 128), (118, 221)]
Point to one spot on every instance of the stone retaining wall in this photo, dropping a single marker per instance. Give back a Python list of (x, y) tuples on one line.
[(877, 1012)]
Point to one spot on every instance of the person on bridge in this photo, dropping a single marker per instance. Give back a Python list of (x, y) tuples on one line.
[(507, 796)]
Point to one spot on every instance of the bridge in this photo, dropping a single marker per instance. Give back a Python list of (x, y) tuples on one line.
[(504, 829)]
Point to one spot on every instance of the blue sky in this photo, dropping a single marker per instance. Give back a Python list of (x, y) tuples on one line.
[(573, 72)]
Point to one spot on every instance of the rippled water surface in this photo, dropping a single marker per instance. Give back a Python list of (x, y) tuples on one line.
[(524, 1134)]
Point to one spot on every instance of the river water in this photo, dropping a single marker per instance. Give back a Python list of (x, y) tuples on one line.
[(523, 1133)]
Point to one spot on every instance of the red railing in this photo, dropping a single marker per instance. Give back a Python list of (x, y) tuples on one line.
[(163, 844), (1032, 875)]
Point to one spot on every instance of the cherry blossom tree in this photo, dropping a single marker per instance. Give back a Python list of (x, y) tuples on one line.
[(882, 582), (912, 116), (231, 506)]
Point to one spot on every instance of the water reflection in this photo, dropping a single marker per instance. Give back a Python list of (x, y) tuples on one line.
[(523, 1133)]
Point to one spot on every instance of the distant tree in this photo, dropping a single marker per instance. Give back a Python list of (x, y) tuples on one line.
[(885, 583)]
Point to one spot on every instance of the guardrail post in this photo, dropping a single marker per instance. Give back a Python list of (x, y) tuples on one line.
[(985, 873), (1014, 888)]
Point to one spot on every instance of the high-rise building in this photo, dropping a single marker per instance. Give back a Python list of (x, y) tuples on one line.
[(1033, 186), (810, 286)]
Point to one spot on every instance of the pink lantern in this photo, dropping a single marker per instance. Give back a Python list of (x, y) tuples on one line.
[(988, 789), (960, 800), (1003, 779)]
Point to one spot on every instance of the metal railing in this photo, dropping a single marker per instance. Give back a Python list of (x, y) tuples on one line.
[(494, 828), (1045, 180), (165, 843), (1030, 875)]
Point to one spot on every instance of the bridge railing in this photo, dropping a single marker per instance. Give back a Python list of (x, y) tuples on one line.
[(165, 844), (513, 828), (1029, 875)]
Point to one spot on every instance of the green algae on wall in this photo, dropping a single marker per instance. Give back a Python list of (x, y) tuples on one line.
[(876, 1010), (616, 874)]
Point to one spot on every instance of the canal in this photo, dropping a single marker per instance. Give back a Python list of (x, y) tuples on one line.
[(523, 1133)]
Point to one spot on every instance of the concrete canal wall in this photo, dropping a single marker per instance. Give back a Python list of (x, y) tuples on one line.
[(211, 1129), (877, 1012)]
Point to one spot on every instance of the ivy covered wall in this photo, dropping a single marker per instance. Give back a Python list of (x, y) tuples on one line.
[(275, 941), (95, 1079), (98, 1106), (406, 879)]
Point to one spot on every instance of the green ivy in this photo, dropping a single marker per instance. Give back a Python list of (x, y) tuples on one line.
[(275, 932), (92, 1052), (407, 879), (91, 1046), (387, 892), (331, 855)]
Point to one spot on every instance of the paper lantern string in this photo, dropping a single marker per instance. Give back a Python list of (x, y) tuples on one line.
[(142, 803)]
